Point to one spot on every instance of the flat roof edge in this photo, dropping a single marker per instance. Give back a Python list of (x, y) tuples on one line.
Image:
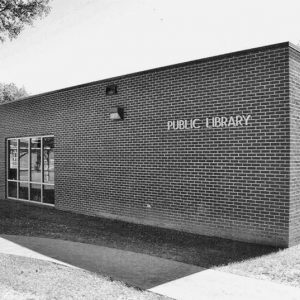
[(295, 47), (214, 57)]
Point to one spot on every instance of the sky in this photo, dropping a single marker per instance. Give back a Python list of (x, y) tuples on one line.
[(87, 40)]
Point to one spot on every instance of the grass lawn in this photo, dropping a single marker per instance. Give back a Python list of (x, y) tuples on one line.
[(282, 267), (263, 262), (18, 218), (26, 278)]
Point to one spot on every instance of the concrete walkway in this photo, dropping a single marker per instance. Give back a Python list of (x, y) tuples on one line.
[(139, 270), (9, 247), (173, 279), (215, 285)]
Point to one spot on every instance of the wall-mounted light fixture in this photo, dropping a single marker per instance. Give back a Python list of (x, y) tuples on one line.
[(117, 113), (111, 90)]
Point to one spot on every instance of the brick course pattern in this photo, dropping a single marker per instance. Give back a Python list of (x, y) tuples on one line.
[(231, 182), (294, 232)]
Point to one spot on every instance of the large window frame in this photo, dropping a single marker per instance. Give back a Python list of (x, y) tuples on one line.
[(29, 182)]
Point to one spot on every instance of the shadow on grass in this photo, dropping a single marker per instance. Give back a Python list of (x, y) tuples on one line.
[(24, 219)]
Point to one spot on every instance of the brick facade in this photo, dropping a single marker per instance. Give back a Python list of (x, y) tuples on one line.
[(232, 182), (294, 233)]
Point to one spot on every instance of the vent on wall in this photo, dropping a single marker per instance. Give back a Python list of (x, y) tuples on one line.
[(111, 90)]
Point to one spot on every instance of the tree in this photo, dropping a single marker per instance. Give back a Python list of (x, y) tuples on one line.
[(10, 92), (15, 14)]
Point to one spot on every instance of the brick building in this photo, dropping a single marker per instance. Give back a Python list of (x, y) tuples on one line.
[(210, 146)]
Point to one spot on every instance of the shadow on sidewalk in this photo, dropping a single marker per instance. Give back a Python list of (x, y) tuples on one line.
[(205, 252), (138, 270)]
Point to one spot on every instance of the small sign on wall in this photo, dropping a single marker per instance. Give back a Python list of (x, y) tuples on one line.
[(211, 122)]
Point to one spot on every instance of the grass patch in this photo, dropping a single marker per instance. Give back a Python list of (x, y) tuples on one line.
[(18, 218), (281, 267), (252, 260), (26, 278)]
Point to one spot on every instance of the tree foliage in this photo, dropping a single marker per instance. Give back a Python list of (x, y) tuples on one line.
[(10, 92), (15, 14)]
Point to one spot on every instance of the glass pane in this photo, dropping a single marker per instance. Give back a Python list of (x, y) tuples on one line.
[(23, 162), (35, 192), (12, 189), (13, 159), (48, 194), (35, 147), (48, 151), (23, 190)]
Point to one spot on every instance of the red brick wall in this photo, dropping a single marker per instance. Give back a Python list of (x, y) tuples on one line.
[(228, 182)]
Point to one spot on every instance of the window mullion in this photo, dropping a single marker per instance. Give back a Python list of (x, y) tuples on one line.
[(7, 166), (29, 167), (18, 166), (42, 167)]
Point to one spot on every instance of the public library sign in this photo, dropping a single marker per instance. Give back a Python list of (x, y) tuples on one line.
[(212, 122)]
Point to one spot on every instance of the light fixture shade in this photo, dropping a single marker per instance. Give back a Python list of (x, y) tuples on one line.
[(116, 113), (111, 90)]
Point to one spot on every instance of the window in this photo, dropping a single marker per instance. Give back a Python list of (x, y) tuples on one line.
[(30, 169)]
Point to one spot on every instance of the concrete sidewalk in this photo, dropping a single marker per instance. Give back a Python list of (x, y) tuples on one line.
[(170, 278), (136, 269), (9, 247), (215, 285)]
